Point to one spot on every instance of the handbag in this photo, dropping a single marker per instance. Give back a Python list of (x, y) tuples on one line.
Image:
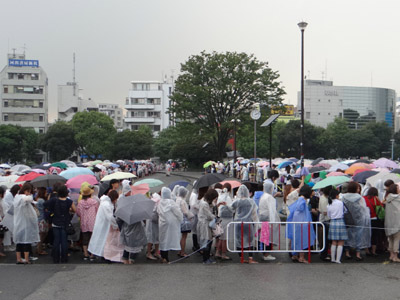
[(186, 225), (380, 211), (348, 218), (70, 230)]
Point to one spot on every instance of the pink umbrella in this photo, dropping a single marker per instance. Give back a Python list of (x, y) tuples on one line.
[(233, 183), (140, 189), (385, 163), (263, 164), (76, 182), (335, 174), (325, 165), (54, 170)]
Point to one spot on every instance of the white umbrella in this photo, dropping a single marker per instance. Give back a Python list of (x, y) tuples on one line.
[(69, 163), (373, 180), (5, 166), (8, 181), (339, 166), (19, 168), (118, 176)]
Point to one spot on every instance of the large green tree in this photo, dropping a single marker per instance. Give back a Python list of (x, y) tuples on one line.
[(133, 144), (383, 133), (214, 88), (94, 133), (336, 139), (17, 144), (59, 141)]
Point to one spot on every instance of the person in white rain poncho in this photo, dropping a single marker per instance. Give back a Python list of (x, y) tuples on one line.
[(170, 219), (26, 227), (104, 221), (8, 220), (186, 225), (225, 214), (246, 211), (268, 213), (152, 231)]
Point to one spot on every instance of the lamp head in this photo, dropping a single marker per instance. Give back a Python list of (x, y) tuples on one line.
[(302, 25)]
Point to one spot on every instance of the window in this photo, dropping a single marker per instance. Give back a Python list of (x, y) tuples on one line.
[(153, 114), (119, 118), (41, 130), (170, 90), (20, 76), (41, 104), (138, 101), (156, 128), (5, 103), (5, 117), (134, 127), (40, 118), (35, 76), (10, 75), (5, 89)]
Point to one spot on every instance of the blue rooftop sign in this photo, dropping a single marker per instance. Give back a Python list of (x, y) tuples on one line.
[(23, 63)]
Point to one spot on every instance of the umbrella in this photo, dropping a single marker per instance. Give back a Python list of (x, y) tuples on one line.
[(208, 179), (304, 171), (8, 181), (60, 165), (244, 161), (361, 177), (41, 167), (118, 176), (373, 180), (333, 180), (316, 169), (140, 189), (209, 163), (325, 165), (396, 171), (70, 173), (150, 181), (136, 208), (357, 166), (103, 187), (180, 183), (55, 170), (340, 166), (385, 163), (5, 166), (316, 161), (40, 171), (262, 164), (293, 159), (19, 168), (285, 164), (47, 180), (335, 174), (233, 183), (28, 177), (330, 162), (348, 162), (362, 160), (358, 171), (76, 182), (69, 163)]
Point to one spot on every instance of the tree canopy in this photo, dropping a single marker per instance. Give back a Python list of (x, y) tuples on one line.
[(216, 87), (17, 144)]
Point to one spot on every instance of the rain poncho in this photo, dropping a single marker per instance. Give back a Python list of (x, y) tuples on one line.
[(174, 193), (359, 237), (298, 233), (194, 209), (245, 173), (181, 201), (8, 220), (170, 219), (246, 211), (26, 226), (267, 210), (392, 214), (225, 212), (104, 220), (205, 216), (152, 230)]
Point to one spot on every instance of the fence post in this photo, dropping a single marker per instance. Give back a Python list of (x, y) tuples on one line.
[(242, 257), (309, 242)]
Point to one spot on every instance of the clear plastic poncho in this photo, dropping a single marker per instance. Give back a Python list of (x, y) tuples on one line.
[(267, 211), (26, 226)]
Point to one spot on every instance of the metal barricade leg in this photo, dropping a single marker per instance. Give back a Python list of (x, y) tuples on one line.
[(242, 257)]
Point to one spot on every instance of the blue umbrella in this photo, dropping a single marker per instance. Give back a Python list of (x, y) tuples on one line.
[(304, 171), (295, 160), (244, 161), (363, 176), (284, 164), (180, 183), (72, 172)]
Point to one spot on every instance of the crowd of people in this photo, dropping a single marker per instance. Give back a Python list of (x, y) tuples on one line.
[(42, 216)]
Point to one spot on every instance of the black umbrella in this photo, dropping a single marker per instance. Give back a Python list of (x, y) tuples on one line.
[(361, 160), (208, 179), (397, 171), (135, 208), (363, 176), (47, 180), (317, 161), (40, 167), (316, 169), (104, 185)]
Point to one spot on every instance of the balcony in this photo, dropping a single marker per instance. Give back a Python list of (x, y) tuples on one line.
[(139, 120), (139, 106)]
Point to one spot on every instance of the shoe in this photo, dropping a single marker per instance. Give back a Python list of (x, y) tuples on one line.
[(359, 258), (348, 257), (226, 258), (33, 258), (86, 258), (338, 262), (252, 261), (92, 258), (209, 262), (268, 257), (150, 257)]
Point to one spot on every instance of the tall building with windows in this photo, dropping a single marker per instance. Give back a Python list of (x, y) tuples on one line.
[(147, 104), (70, 101), (114, 112), (24, 93), (323, 102)]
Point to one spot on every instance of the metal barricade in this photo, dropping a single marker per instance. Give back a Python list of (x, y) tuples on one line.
[(244, 237)]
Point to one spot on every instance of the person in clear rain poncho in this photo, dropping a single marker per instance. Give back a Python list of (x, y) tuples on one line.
[(268, 213), (246, 211), (225, 214), (186, 225), (170, 219)]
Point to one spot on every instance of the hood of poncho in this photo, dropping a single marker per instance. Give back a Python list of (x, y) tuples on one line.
[(352, 197), (393, 197)]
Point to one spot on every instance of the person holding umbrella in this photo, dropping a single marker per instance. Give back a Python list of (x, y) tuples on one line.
[(170, 219), (133, 236)]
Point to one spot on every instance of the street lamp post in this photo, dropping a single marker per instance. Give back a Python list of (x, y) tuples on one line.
[(392, 140), (234, 145), (302, 26)]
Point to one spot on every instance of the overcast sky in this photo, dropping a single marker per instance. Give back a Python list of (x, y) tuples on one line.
[(117, 41)]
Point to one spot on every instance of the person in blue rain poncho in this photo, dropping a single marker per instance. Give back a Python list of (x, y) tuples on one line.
[(297, 233)]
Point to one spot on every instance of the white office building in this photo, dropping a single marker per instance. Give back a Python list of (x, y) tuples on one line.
[(114, 112), (323, 102), (70, 101), (147, 104), (24, 93)]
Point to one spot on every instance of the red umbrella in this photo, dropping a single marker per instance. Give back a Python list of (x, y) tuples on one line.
[(28, 177), (140, 189), (233, 183)]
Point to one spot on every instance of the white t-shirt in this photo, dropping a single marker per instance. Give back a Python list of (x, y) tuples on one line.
[(335, 210), (323, 208)]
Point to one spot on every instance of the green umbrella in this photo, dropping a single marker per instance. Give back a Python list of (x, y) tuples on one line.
[(209, 163), (151, 182), (333, 180), (60, 165)]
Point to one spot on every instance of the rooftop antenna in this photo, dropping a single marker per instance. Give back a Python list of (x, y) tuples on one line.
[(326, 69), (322, 75), (14, 49), (73, 74), (24, 48)]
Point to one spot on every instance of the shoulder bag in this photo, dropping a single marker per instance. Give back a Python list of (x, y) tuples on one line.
[(348, 218), (380, 211)]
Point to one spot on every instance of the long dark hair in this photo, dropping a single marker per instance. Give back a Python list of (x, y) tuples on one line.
[(332, 195)]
